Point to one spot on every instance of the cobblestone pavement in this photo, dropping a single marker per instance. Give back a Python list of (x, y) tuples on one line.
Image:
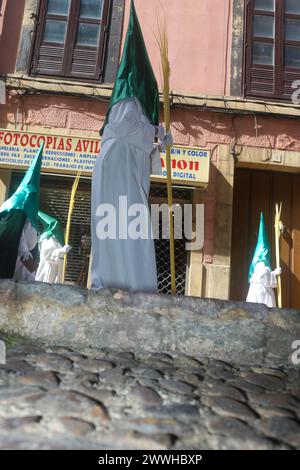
[(57, 398)]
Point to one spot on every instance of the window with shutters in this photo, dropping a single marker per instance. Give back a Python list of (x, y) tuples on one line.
[(70, 38), (272, 48)]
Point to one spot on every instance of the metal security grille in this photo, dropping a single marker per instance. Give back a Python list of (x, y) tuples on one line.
[(54, 200), (181, 196)]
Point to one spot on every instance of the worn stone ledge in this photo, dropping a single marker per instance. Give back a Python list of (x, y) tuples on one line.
[(240, 332)]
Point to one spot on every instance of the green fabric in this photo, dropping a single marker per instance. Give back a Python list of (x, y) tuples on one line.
[(26, 197), (262, 251), (135, 77), (52, 227), (11, 227)]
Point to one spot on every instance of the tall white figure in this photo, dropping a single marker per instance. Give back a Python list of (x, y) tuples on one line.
[(262, 283), (261, 278), (123, 169), (125, 256), (52, 250)]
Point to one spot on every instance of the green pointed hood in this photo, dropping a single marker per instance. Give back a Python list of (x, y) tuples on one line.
[(52, 227), (26, 197), (135, 77), (262, 251)]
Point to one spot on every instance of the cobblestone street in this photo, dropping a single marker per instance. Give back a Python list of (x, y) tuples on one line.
[(58, 398)]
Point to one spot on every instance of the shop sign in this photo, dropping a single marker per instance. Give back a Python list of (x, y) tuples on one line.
[(69, 154), (189, 165)]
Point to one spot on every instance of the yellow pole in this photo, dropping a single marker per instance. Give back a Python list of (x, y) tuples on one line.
[(277, 250), (162, 41), (171, 218), (69, 221)]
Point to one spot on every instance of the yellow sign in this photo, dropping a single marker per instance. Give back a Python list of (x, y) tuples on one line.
[(64, 154), (69, 154), (189, 165)]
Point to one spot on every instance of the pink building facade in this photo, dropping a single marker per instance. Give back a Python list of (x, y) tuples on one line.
[(225, 100)]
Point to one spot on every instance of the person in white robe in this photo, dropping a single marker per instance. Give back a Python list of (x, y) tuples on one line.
[(25, 266), (51, 261), (261, 278), (262, 283), (123, 254), (123, 168), (52, 250)]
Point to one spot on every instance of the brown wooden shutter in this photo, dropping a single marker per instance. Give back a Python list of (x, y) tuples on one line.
[(289, 74), (260, 79), (273, 81), (87, 62), (67, 59), (48, 58)]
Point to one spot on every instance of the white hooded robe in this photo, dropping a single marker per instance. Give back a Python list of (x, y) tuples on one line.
[(28, 242), (262, 282), (51, 261), (123, 169)]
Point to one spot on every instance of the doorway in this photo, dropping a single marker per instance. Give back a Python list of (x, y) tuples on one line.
[(256, 191)]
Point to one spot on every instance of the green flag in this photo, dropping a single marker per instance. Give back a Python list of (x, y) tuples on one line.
[(22, 205), (52, 227), (135, 77), (262, 251)]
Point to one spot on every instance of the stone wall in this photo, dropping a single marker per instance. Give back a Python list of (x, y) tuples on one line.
[(70, 316)]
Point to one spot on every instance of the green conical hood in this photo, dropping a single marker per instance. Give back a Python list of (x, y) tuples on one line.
[(52, 227), (135, 77), (262, 251), (26, 197)]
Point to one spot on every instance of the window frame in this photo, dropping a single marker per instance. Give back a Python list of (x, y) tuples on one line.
[(72, 20), (282, 74)]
